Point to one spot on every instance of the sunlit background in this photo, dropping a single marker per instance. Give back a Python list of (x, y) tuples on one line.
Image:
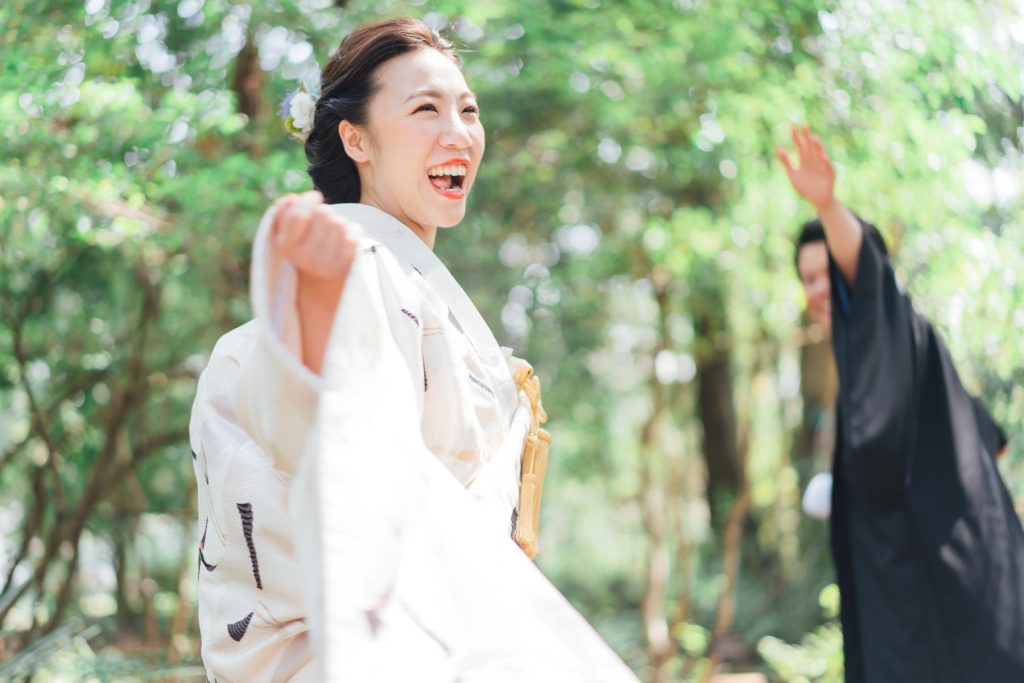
[(630, 234)]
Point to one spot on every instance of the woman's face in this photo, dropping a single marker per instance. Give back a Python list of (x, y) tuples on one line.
[(424, 142)]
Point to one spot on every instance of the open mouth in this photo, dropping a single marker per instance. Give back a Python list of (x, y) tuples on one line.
[(449, 179)]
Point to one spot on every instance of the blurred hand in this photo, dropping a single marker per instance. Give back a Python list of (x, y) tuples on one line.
[(815, 178), (310, 236)]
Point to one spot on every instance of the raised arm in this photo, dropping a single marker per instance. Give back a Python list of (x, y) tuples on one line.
[(814, 180), (302, 256), (307, 234)]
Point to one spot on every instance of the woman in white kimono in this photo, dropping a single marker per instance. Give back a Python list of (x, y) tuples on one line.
[(358, 444)]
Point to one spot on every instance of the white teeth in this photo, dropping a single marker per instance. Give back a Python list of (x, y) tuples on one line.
[(457, 169)]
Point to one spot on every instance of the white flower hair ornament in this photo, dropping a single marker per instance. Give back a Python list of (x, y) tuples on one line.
[(298, 110)]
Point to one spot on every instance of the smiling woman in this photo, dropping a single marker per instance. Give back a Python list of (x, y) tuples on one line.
[(430, 118), (401, 79), (366, 432)]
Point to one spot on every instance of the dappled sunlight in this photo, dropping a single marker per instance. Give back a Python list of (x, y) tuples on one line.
[(630, 233)]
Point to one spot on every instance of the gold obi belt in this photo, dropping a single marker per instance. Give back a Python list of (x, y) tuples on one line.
[(534, 464)]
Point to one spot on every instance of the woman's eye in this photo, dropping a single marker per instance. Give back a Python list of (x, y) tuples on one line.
[(471, 109), (425, 107)]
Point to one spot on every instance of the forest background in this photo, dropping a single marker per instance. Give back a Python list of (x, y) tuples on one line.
[(630, 234)]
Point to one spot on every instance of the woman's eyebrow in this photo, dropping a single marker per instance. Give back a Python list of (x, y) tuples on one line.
[(423, 92), (430, 92)]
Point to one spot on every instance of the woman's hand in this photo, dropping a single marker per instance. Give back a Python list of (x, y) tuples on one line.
[(310, 236), (815, 178)]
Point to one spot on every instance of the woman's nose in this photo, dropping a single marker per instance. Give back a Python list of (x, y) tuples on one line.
[(456, 135)]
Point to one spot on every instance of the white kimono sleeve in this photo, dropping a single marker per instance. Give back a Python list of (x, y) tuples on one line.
[(347, 536), (276, 395), (406, 581), (251, 614)]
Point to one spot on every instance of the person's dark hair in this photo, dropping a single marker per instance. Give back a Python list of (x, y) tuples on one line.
[(347, 83), (813, 231)]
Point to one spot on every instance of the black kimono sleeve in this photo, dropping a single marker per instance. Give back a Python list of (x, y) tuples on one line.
[(929, 549), (877, 346)]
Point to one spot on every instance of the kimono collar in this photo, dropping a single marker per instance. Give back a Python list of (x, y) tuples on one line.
[(406, 246)]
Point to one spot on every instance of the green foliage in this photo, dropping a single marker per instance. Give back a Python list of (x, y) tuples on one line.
[(818, 657), (628, 224)]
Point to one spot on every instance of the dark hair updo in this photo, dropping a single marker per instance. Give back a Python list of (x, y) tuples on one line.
[(347, 84)]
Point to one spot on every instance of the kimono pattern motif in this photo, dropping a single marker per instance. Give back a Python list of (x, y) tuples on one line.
[(384, 460)]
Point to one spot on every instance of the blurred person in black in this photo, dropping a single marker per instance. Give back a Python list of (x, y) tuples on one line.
[(928, 550)]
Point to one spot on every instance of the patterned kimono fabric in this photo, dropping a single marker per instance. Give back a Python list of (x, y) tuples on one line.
[(359, 525)]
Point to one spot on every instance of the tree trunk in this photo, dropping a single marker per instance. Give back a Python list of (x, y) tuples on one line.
[(248, 81), (715, 405), (678, 499), (248, 87), (722, 640), (660, 647)]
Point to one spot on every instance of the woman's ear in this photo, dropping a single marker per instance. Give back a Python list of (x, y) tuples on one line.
[(354, 141)]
